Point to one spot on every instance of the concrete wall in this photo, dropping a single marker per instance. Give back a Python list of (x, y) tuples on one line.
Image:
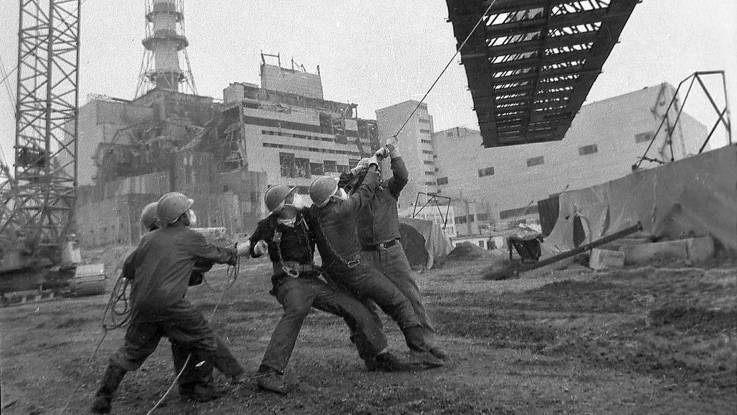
[(514, 187), (109, 213), (292, 81)]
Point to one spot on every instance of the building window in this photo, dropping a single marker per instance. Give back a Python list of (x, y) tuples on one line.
[(430, 162), (442, 181), (429, 183), (449, 134), (424, 121), (426, 141), (589, 149), (535, 161), (482, 217), (644, 137), (330, 166), (317, 169), (481, 244), (429, 173), (424, 131), (489, 171), (426, 152), (460, 219), (286, 164)]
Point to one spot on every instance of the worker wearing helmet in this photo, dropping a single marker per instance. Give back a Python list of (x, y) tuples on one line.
[(162, 265), (378, 233), (196, 381), (335, 216), (287, 237)]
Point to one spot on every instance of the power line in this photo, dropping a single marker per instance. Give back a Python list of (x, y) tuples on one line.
[(481, 19)]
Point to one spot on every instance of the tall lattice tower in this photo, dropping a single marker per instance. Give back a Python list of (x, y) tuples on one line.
[(165, 40), (46, 127)]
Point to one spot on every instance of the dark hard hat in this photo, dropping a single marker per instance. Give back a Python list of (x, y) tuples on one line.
[(149, 216), (172, 205), (275, 195), (321, 189)]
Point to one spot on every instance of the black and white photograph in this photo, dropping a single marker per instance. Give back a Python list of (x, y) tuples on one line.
[(368, 207)]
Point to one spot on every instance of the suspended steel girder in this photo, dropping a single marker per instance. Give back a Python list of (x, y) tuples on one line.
[(534, 60)]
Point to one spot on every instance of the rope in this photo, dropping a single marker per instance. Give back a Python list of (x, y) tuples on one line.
[(445, 68)]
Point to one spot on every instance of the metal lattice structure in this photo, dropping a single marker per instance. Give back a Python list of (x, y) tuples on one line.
[(46, 124), (165, 40), (531, 63)]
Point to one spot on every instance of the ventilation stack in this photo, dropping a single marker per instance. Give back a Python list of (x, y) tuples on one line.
[(165, 41)]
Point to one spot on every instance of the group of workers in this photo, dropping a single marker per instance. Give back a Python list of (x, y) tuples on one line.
[(354, 225)]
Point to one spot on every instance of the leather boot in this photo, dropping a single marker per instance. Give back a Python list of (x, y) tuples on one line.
[(110, 380), (271, 380), (419, 349)]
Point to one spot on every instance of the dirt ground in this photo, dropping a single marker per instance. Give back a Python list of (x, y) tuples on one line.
[(635, 341)]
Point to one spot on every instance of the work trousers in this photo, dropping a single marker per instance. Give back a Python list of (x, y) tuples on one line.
[(368, 283), (297, 296), (199, 369), (185, 327), (393, 263)]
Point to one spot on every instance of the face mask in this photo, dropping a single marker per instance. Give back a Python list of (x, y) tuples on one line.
[(342, 194), (192, 218), (287, 222)]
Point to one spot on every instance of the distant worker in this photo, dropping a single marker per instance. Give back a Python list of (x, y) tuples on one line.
[(378, 232), (162, 264), (290, 243), (335, 215), (196, 381)]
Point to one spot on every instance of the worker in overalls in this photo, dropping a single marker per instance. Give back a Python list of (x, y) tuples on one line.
[(196, 380), (378, 233), (297, 285), (162, 265), (335, 215)]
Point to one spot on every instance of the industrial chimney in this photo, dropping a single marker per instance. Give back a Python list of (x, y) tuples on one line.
[(165, 40)]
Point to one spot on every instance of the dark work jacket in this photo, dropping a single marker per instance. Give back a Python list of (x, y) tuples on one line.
[(335, 225), (163, 263), (297, 243), (379, 222)]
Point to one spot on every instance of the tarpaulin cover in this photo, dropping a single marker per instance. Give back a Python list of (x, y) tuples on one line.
[(696, 196), (434, 242)]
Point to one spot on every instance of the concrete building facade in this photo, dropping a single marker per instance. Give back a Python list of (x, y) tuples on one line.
[(491, 186), (293, 138)]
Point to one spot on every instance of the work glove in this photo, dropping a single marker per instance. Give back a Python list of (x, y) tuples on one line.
[(382, 153), (392, 147), (243, 248), (373, 161), (261, 248), (360, 167)]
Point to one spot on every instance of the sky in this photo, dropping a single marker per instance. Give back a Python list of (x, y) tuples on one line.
[(375, 53)]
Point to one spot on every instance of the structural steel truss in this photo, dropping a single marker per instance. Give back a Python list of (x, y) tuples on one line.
[(531, 63), (46, 121)]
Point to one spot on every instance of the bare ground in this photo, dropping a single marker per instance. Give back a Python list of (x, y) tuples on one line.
[(638, 340)]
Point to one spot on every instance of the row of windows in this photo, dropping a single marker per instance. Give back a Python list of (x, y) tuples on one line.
[(426, 141), (424, 121), (303, 136), (424, 131), (429, 183), (429, 173), (312, 149), (427, 152), (429, 162), (442, 181), (291, 166), (481, 217)]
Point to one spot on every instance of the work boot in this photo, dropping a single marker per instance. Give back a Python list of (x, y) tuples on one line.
[(439, 353), (110, 381), (271, 380), (387, 362), (200, 393), (426, 358)]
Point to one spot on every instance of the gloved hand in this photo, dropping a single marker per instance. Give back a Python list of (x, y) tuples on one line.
[(373, 161), (382, 153), (360, 167), (243, 248), (392, 146), (261, 248)]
